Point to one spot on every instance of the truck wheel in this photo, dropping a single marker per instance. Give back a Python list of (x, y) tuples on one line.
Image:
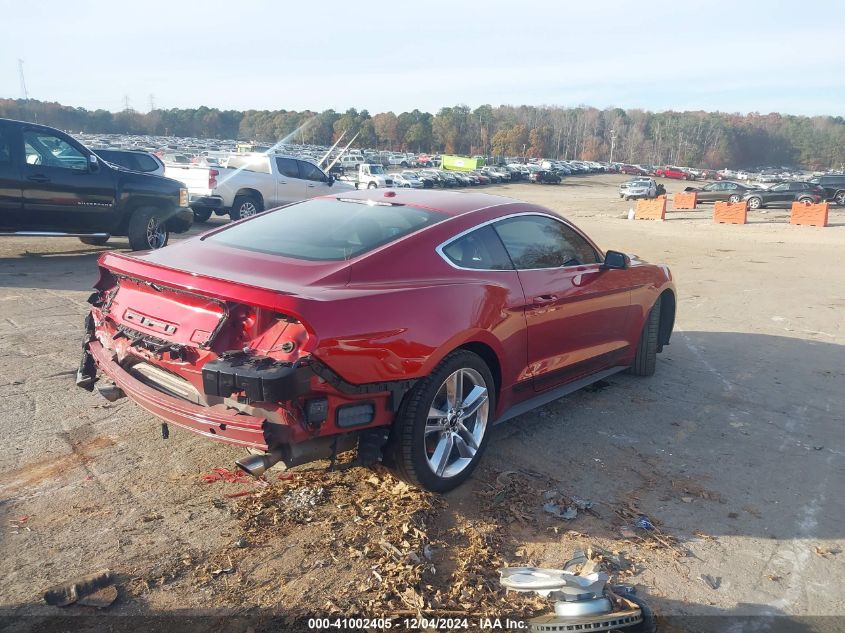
[(443, 424), (245, 207), (202, 215), (839, 198), (372, 185), (147, 229), (94, 241), (646, 359)]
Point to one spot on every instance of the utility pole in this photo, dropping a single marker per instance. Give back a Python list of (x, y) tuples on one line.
[(126, 107), (152, 102), (24, 93), (612, 144)]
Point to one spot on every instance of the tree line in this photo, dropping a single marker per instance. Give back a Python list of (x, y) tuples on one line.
[(702, 139)]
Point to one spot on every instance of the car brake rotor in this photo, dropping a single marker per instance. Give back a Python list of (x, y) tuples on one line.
[(581, 602)]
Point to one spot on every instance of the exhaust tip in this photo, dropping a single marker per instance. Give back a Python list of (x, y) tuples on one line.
[(111, 392), (257, 465)]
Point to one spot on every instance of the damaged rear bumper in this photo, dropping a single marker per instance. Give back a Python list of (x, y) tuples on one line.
[(214, 423)]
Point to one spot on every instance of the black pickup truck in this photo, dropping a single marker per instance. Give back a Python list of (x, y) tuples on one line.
[(52, 185)]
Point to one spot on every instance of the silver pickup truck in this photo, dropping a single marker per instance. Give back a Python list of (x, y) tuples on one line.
[(251, 183)]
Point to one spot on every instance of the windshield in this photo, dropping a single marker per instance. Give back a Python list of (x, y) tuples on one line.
[(300, 230), (376, 169)]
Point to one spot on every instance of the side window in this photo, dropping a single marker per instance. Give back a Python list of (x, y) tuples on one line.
[(481, 250), (42, 148), (5, 146), (781, 187), (145, 163), (287, 167), (534, 241), (309, 171)]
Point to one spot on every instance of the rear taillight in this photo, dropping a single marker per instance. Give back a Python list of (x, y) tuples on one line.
[(212, 178)]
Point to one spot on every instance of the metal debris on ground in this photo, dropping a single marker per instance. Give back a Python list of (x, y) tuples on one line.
[(74, 591), (581, 601), (714, 582)]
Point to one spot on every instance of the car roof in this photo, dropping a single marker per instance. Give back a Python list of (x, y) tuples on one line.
[(451, 203)]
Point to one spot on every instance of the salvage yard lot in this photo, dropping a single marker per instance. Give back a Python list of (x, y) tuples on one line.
[(734, 449)]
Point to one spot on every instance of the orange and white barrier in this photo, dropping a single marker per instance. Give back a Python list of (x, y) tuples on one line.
[(730, 213), (685, 200), (809, 214), (654, 209)]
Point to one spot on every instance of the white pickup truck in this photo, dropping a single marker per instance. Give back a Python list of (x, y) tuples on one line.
[(251, 183), (369, 176)]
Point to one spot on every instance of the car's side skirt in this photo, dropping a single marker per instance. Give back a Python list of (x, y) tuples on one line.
[(559, 392)]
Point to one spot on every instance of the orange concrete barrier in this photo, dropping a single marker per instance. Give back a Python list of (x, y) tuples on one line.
[(809, 214), (730, 213), (685, 200), (651, 209)]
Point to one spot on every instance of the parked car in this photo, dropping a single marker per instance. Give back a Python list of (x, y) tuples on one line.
[(724, 191), (638, 188), (253, 334), (784, 194), (545, 176), (673, 172), (632, 170), (135, 160), (833, 185), (407, 180), (52, 185)]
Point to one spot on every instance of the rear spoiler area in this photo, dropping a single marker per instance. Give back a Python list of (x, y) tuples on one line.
[(114, 264)]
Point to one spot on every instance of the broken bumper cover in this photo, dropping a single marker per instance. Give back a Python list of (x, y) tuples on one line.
[(212, 422)]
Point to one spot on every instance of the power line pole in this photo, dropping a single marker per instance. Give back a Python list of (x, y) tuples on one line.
[(126, 107), (24, 92), (612, 144), (152, 102)]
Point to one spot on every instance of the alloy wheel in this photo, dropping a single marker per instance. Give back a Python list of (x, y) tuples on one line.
[(156, 233), (456, 423), (754, 203), (247, 209)]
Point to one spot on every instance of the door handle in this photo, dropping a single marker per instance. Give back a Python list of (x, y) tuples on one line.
[(310, 186), (283, 182), (38, 178), (544, 300)]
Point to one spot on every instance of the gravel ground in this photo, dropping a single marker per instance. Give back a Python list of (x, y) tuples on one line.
[(734, 448)]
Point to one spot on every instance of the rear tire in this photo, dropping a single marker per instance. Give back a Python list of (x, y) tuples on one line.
[(94, 241), (147, 229), (245, 207), (645, 361), (839, 198), (734, 198), (202, 215), (411, 450)]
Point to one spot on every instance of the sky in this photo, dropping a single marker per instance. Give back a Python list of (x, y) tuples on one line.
[(742, 56)]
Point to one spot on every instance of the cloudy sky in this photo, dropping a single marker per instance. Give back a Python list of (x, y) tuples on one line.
[(755, 55)]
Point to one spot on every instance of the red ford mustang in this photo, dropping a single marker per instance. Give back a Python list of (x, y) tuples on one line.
[(403, 323)]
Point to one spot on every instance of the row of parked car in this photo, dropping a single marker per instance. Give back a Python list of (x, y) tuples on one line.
[(829, 188)]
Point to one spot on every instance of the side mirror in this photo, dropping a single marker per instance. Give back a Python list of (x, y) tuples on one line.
[(614, 260), (93, 163), (330, 180)]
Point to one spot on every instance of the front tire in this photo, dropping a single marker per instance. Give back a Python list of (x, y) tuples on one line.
[(645, 360), (839, 198), (443, 424), (147, 229), (245, 207), (755, 203), (372, 185)]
